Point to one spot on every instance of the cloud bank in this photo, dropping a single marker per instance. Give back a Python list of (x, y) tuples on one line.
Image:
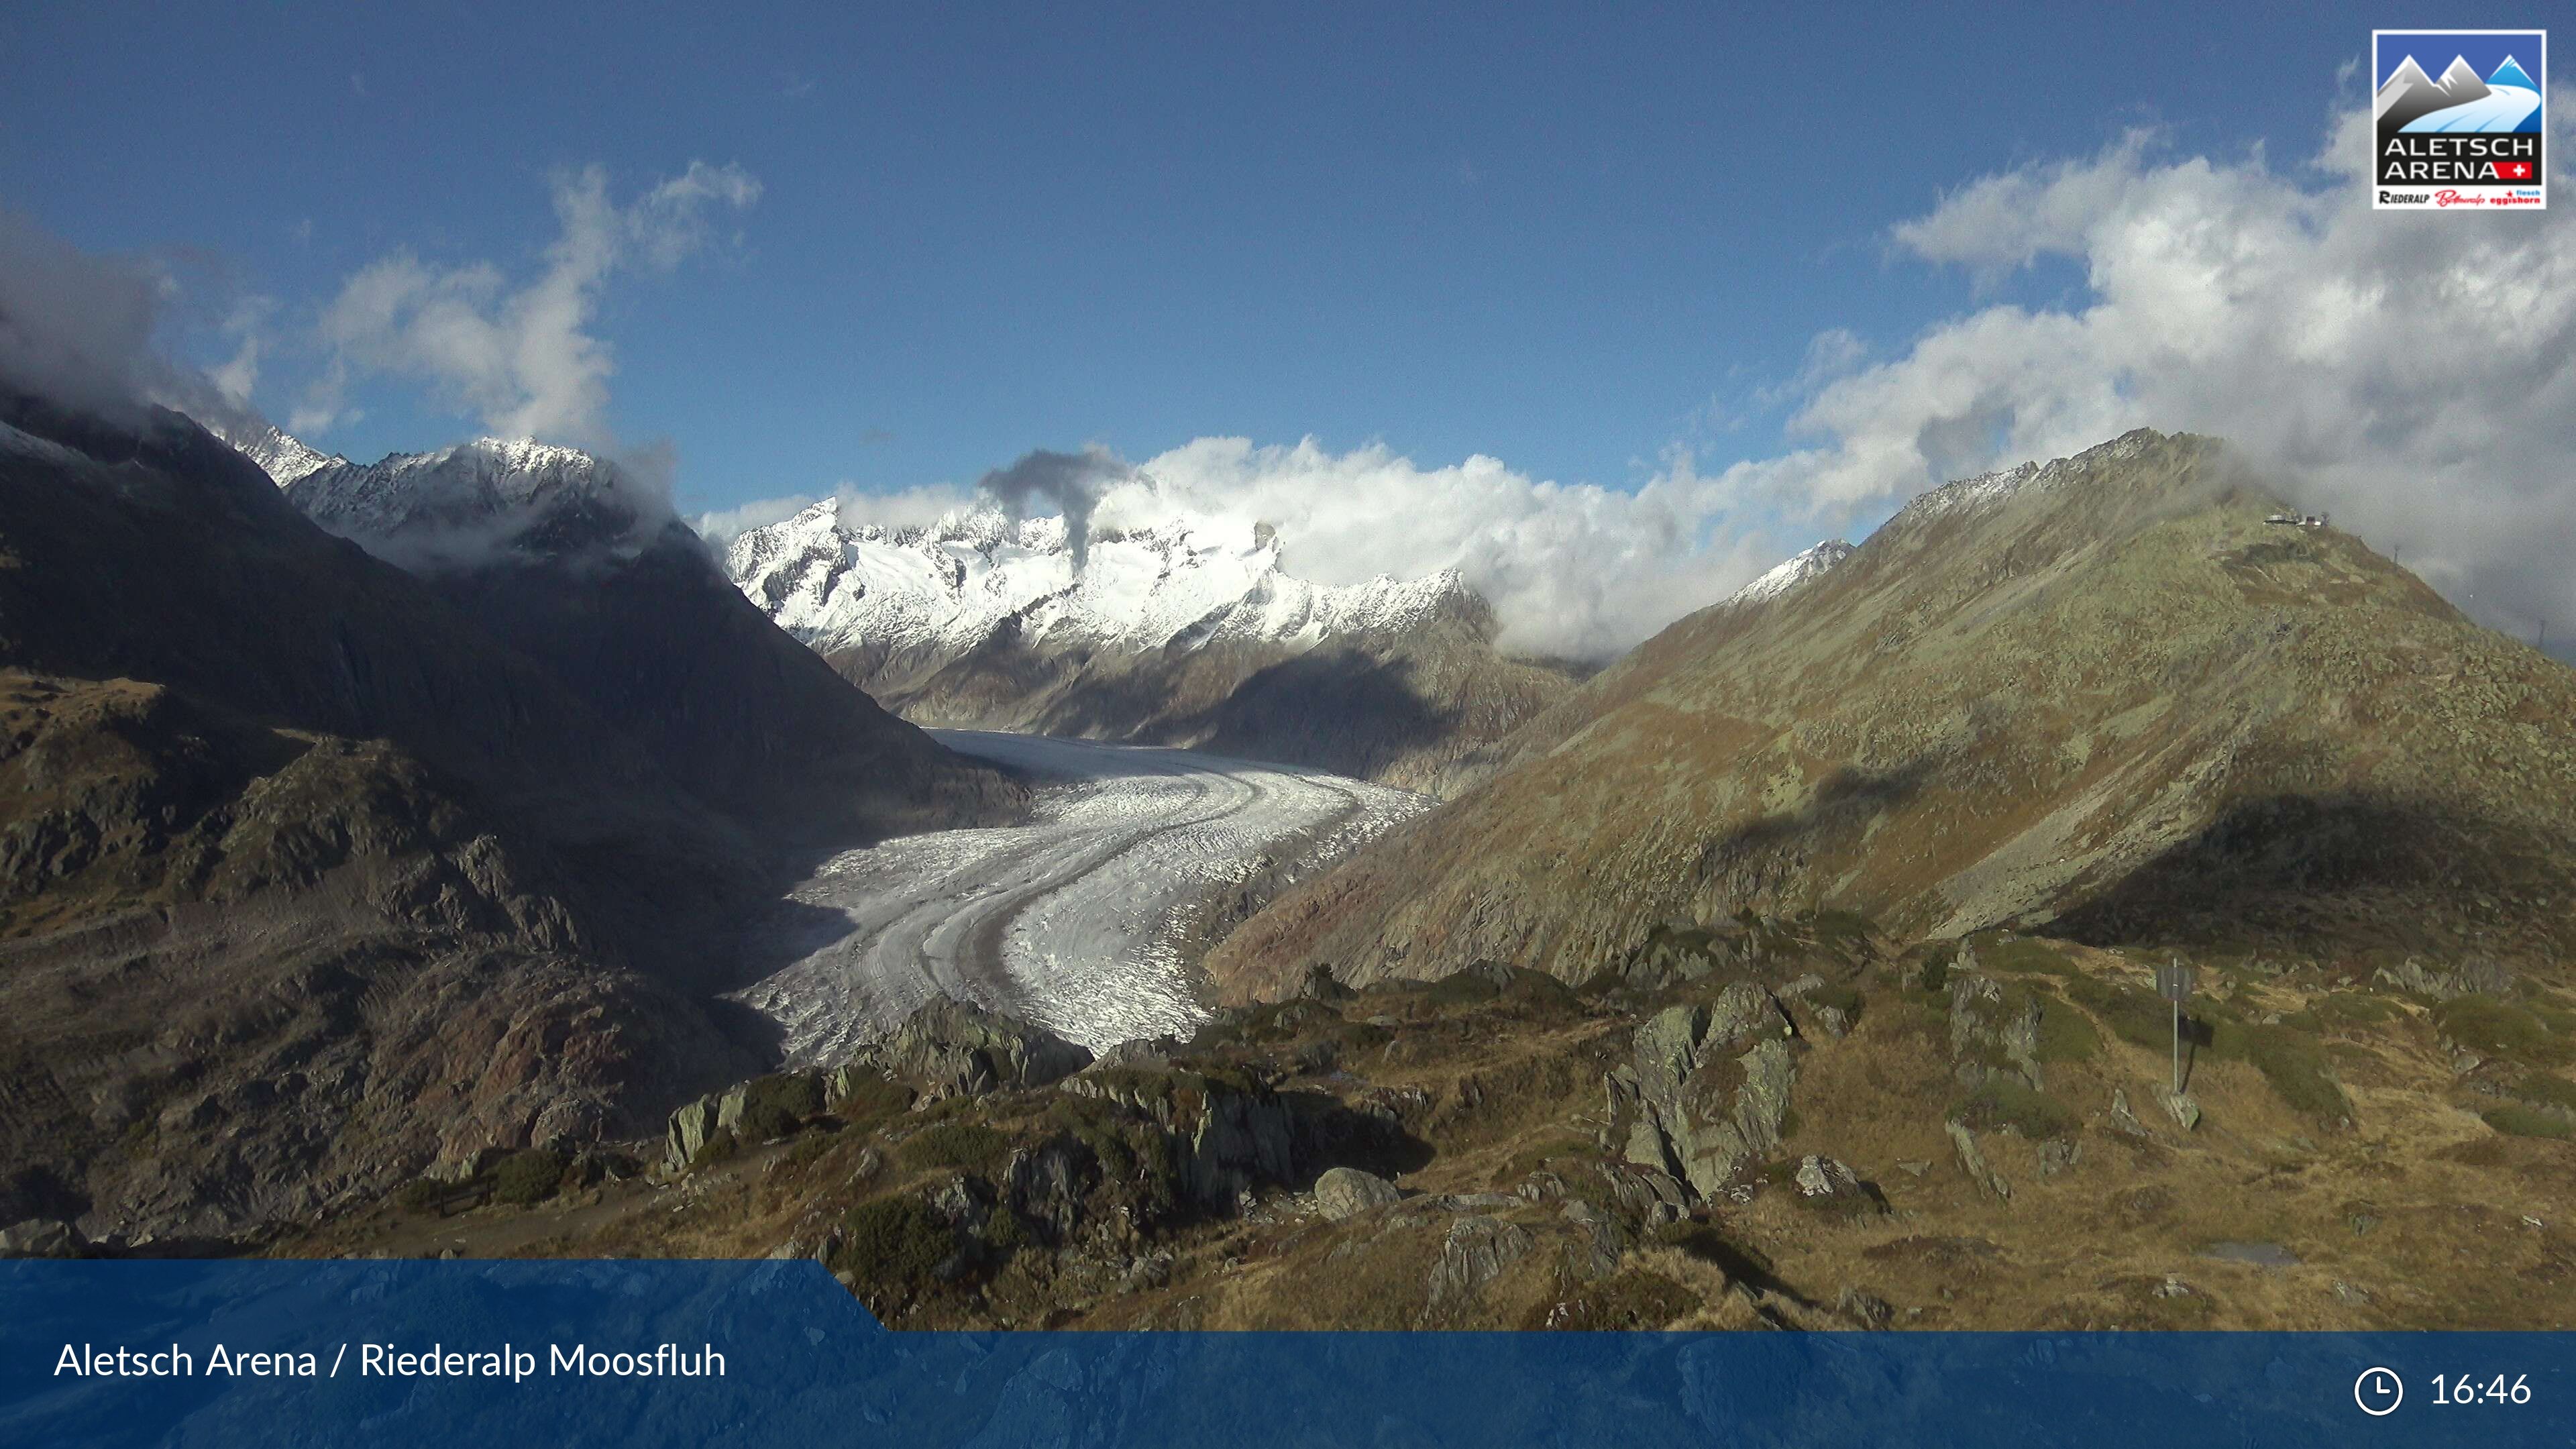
[(2416, 373), (523, 359)]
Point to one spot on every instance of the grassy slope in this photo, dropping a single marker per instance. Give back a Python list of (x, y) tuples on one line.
[(2124, 700)]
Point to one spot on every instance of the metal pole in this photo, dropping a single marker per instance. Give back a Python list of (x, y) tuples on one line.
[(2177, 1006)]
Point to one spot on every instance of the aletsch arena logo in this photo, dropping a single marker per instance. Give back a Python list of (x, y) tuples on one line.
[(2465, 136)]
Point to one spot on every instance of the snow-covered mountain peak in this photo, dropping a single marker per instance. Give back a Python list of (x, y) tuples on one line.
[(842, 583), (1794, 571), (284, 457), (479, 502)]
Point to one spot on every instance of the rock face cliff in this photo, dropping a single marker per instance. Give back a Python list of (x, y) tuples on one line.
[(2104, 698), (1192, 632), (309, 881)]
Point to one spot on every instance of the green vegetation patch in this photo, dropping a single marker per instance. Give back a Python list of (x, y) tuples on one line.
[(2023, 956), (526, 1178), (892, 1242), (2493, 1027), (2351, 1006), (2009, 1106), (423, 1193), (2140, 1018), (2294, 1062), (872, 1098), (807, 1152), (2547, 1092), (967, 1146), (2516, 1120), (775, 1106), (2066, 1034)]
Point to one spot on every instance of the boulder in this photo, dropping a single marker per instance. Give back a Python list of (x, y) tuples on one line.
[(1344, 1192), (1824, 1177), (2180, 1107)]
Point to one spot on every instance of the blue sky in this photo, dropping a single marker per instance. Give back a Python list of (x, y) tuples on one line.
[(1552, 239), (1572, 240)]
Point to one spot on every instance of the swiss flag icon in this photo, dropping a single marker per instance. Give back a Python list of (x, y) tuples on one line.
[(2513, 170)]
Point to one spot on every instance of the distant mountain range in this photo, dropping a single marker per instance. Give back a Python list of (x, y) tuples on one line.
[(1190, 632)]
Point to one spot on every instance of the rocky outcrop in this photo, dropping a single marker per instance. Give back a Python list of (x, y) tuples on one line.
[(1973, 1162), (945, 1048), (2476, 975), (1476, 1251), (1994, 1031), (41, 1238), (1706, 1090), (959, 1048)]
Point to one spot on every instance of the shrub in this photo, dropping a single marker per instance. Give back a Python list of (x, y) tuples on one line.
[(871, 1098), (2492, 1027), (422, 1193), (970, 1146), (525, 1178), (807, 1152), (776, 1106), (892, 1242)]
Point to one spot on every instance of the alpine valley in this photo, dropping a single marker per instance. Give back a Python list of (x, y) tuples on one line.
[(1054, 926)]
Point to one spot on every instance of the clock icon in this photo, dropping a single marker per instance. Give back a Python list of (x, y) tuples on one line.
[(2378, 1391)]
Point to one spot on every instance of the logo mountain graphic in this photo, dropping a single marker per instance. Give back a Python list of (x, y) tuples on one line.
[(2412, 101)]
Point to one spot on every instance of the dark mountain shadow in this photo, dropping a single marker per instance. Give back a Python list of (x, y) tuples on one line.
[(1339, 710), (2324, 869), (1766, 854)]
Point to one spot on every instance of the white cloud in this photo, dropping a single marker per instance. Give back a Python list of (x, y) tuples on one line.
[(1574, 570), (723, 525), (2416, 373), (522, 358), (73, 327), (911, 508)]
